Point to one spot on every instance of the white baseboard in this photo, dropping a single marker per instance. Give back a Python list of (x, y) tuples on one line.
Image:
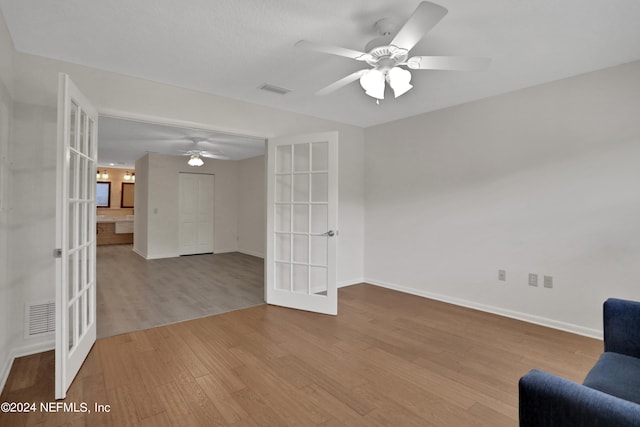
[(142, 254), (4, 372), (162, 255), (39, 347), (26, 350), (252, 253), (530, 318), (225, 251), (345, 283)]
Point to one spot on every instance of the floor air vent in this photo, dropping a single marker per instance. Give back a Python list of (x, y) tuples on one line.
[(39, 319)]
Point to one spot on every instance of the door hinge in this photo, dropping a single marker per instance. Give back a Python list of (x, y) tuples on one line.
[(57, 253)]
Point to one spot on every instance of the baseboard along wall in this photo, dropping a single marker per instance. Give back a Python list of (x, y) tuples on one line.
[(550, 323)]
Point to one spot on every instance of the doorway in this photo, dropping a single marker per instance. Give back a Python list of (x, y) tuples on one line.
[(153, 287)]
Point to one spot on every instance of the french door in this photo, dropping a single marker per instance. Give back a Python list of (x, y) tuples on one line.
[(302, 215), (75, 233)]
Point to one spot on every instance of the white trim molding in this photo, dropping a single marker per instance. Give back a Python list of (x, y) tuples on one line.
[(351, 282), (542, 321), (251, 253), (26, 350), (225, 251), (139, 252), (166, 121)]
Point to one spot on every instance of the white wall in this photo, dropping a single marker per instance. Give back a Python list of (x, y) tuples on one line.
[(31, 265), (6, 113), (238, 205), (543, 180), (251, 206), (162, 203), (141, 211)]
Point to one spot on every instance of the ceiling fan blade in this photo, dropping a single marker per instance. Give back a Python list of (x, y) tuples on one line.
[(456, 63), (333, 50), (208, 154), (421, 21), (342, 82), (214, 156)]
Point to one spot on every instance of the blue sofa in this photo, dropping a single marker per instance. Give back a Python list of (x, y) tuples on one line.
[(609, 395)]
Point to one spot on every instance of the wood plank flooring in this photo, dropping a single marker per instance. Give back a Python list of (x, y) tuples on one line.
[(135, 294), (387, 359)]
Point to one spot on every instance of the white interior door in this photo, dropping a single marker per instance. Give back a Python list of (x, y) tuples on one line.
[(302, 216), (196, 213), (75, 233)]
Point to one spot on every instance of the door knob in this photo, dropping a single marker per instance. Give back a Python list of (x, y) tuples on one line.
[(329, 233)]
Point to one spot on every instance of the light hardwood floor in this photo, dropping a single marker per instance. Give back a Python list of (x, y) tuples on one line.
[(387, 359), (135, 294)]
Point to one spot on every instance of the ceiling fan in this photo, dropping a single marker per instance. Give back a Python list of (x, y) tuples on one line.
[(195, 157), (388, 53)]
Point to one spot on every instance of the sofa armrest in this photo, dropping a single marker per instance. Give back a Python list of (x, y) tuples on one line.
[(621, 320), (547, 400)]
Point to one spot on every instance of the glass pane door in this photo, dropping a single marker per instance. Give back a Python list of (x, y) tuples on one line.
[(302, 217), (75, 233)]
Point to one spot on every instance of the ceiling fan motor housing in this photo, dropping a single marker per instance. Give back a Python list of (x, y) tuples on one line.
[(386, 56)]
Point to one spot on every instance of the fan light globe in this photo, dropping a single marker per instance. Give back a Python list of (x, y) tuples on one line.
[(399, 79), (373, 83), (195, 160)]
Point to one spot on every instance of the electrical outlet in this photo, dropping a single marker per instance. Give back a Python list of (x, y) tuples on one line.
[(548, 281), (502, 275), (533, 279)]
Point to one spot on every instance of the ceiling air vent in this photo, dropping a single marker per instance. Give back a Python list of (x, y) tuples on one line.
[(274, 89), (39, 319)]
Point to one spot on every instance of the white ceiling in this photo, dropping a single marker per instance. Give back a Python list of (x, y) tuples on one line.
[(121, 142), (230, 48)]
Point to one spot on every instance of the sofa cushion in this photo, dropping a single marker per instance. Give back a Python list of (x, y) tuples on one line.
[(616, 374)]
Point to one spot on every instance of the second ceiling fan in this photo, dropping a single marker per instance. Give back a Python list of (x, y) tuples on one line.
[(388, 53)]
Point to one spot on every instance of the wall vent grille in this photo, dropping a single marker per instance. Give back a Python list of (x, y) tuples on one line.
[(40, 319)]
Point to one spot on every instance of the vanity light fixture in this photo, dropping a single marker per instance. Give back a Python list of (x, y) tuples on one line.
[(105, 174)]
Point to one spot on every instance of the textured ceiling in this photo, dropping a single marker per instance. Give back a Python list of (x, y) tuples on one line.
[(230, 48)]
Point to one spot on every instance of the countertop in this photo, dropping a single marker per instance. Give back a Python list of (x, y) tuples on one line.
[(103, 218)]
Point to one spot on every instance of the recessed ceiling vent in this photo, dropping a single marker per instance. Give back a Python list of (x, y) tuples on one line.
[(39, 319), (274, 89)]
